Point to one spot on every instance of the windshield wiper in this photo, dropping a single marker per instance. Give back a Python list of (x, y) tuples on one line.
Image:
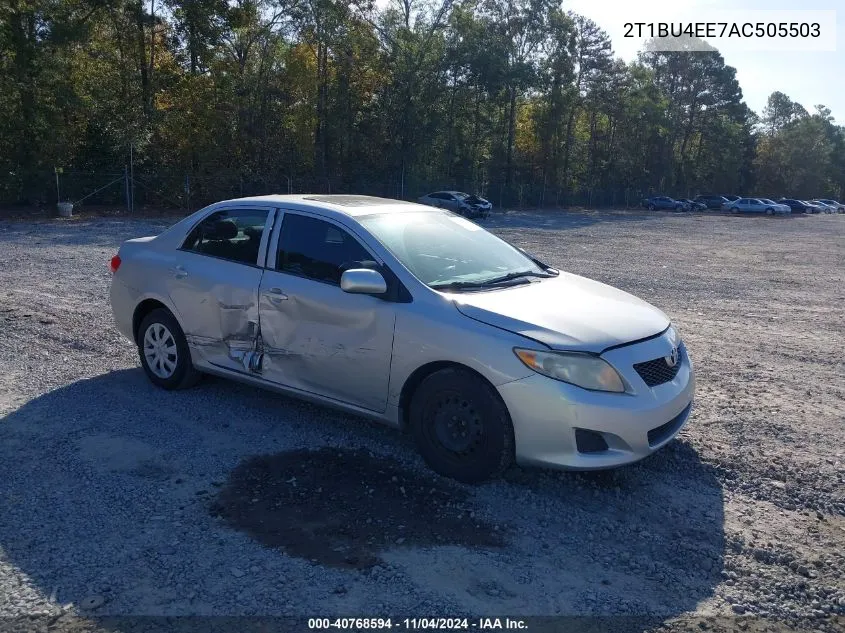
[(457, 285), (515, 275), (487, 283)]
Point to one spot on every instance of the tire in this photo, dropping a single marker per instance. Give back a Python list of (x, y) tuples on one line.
[(651, 207), (734, 210), (461, 428), (161, 325), (769, 211)]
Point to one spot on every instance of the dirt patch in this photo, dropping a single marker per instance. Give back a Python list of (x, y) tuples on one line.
[(342, 507)]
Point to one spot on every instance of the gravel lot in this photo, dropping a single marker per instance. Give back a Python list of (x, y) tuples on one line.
[(118, 499)]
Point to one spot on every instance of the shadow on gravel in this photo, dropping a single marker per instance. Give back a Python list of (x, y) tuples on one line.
[(106, 488), (341, 507)]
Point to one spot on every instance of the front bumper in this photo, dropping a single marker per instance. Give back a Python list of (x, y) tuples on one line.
[(547, 414)]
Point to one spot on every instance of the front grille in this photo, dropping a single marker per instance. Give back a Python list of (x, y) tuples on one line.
[(665, 431), (657, 371)]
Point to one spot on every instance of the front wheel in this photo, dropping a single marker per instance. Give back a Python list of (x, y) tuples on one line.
[(769, 211), (461, 427), (734, 210), (164, 352)]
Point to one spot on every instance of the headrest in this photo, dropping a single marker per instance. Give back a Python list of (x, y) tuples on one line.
[(222, 230)]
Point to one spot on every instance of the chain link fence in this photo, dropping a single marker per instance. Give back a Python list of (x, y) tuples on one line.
[(135, 189)]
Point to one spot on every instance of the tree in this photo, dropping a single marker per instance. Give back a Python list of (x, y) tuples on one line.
[(780, 111), (514, 99)]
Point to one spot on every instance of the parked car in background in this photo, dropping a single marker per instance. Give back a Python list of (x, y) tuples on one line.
[(758, 205), (837, 207), (412, 316), (776, 206), (692, 205), (817, 208), (822, 207), (711, 202), (663, 203), (798, 206), (464, 204)]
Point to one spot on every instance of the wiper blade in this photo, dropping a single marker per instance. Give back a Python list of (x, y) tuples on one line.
[(515, 275), (487, 283), (458, 285)]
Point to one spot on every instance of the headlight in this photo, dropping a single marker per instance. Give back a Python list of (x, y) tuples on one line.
[(589, 372)]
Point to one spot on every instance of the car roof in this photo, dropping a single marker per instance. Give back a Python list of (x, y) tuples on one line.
[(332, 204)]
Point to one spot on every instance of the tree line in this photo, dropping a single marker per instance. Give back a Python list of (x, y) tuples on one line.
[(518, 100)]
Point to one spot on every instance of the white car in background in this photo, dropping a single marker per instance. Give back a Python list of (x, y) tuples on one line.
[(758, 205), (840, 207), (829, 206)]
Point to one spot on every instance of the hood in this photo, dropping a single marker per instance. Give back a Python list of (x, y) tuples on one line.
[(567, 312)]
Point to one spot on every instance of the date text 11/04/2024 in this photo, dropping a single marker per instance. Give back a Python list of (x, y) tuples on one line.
[(413, 624), (723, 29)]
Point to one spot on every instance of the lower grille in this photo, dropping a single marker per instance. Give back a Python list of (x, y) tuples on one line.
[(589, 441), (665, 431), (657, 371)]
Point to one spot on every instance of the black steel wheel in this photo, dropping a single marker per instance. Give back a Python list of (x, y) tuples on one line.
[(461, 427)]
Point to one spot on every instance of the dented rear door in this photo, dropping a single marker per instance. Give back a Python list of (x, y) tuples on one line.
[(214, 287)]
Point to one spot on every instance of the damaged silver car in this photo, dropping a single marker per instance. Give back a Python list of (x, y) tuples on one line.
[(413, 316)]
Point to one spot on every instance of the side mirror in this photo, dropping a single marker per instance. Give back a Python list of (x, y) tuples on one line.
[(362, 281)]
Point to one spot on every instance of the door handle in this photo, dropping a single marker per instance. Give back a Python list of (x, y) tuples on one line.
[(179, 272), (275, 295)]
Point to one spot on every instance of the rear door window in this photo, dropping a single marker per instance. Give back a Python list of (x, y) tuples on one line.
[(232, 234)]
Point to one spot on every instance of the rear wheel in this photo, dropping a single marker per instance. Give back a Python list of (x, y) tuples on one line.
[(164, 352), (461, 427)]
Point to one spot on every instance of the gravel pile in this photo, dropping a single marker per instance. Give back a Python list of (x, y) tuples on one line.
[(114, 494)]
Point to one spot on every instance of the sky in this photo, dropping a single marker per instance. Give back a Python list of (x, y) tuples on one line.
[(809, 77)]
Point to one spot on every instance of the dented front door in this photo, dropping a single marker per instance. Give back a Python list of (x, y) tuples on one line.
[(316, 337), (217, 298)]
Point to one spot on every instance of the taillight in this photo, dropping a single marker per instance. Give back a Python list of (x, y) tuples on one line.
[(114, 264)]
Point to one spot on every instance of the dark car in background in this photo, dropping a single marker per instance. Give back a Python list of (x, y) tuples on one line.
[(798, 206), (692, 205), (663, 203), (711, 202)]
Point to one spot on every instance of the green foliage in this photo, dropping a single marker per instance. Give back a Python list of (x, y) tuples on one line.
[(515, 99)]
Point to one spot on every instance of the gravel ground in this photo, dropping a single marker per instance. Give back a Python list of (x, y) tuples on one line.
[(120, 499)]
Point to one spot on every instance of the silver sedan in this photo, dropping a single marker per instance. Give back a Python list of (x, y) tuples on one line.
[(413, 316), (459, 202), (757, 205)]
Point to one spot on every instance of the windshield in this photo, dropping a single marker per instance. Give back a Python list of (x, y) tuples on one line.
[(767, 201), (443, 248)]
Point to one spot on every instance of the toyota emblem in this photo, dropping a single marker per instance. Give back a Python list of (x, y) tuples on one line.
[(672, 358)]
